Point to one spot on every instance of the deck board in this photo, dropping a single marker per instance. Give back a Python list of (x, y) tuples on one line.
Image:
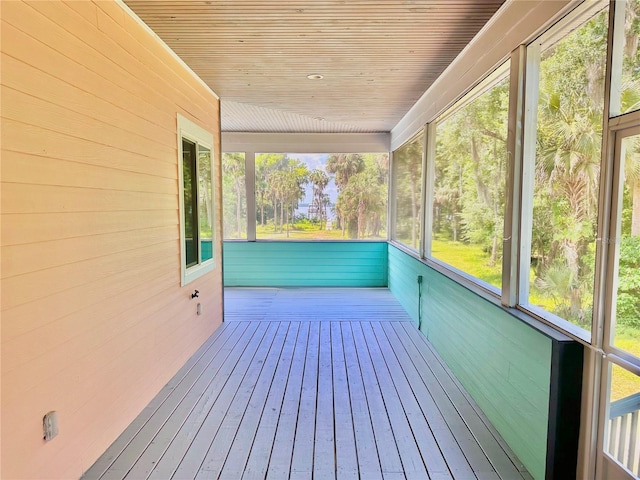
[(143, 449), (302, 460), (279, 463), (311, 383), (346, 454), (444, 418), (271, 376)]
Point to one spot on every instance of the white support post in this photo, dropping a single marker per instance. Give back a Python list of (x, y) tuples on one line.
[(391, 200), (250, 184), (532, 78), (429, 175), (513, 190)]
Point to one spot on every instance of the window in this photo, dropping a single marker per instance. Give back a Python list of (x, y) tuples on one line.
[(626, 328), (234, 196), (338, 196), (563, 170), (196, 200), (407, 179), (470, 174), (622, 330), (625, 78)]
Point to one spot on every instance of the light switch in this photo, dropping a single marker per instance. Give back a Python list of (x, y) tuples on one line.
[(50, 425)]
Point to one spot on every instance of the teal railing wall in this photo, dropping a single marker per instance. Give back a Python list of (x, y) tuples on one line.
[(504, 364), (305, 264)]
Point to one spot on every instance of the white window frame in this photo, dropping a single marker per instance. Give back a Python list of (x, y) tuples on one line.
[(532, 54), (194, 133)]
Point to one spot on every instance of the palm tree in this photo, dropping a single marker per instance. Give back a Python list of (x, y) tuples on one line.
[(344, 166), (567, 166), (319, 180)]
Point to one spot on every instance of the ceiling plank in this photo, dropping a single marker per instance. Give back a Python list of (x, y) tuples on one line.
[(377, 57)]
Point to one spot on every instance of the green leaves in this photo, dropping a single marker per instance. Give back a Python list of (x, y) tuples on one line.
[(628, 299)]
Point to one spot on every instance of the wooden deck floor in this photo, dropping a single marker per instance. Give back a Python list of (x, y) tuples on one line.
[(311, 383)]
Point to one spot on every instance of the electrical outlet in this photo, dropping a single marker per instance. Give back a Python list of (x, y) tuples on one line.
[(50, 425)]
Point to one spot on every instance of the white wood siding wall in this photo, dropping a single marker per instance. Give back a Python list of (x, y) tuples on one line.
[(94, 321)]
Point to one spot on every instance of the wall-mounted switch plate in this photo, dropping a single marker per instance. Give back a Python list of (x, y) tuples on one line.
[(50, 425), (199, 309)]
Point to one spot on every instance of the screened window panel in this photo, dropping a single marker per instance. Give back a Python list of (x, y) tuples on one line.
[(469, 191), (407, 161)]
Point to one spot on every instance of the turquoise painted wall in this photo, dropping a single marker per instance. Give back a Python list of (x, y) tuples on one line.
[(297, 264), (504, 364)]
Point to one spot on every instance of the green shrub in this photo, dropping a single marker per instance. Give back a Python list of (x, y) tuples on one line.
[(628, 298)]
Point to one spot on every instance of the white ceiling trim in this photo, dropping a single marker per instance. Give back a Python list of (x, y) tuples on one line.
[(305, 142), (242, 117)]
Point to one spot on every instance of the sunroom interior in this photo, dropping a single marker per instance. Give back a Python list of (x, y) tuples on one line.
[(478, 161)]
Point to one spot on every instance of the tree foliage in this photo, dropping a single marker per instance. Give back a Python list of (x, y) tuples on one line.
[(471, 167), (567, 169), (408, 190), (471, 158), (282, 182), (362, 193), (233, 193)]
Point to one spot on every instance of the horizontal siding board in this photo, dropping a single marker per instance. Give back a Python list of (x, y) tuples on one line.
[(504, 364), (30, 257), (28, 287), (32, 81), (85, 372), (38, 170), (440, 287), (24, 139), (330, 256), (125, 355), (109, 338), (289, 269), (97, 294), (108, 316), (24, 198), (483, 321), (87, 9), (270, 264), (523, 409), (34, 111), (126, 37), (18, 229), (71, 70)]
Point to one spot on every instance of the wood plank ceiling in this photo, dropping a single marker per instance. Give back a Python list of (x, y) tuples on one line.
[(377, 57)]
